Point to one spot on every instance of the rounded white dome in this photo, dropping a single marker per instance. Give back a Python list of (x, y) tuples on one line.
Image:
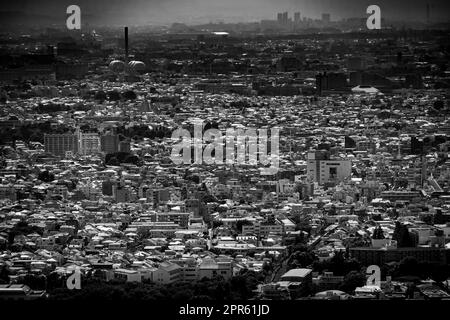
[(117, 66), (136, 65)]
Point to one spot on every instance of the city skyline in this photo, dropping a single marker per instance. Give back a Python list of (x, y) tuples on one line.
[(150, 152), (140, 12)]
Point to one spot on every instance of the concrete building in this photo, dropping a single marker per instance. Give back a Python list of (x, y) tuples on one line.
[(379, 256), (210, 268), (109, 143), (297, 275), (328, 281), (322, 169), (167, 273), (298, 281), (263, 228), (8, 192), (180, 218), (59, 144), (89, 143), (297, 18)]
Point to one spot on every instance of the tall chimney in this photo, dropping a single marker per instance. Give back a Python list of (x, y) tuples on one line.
[(126, 44)]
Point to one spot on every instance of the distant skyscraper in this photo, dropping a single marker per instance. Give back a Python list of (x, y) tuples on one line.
[(325, 17), (280, 18), (297, 17), (285, 18)]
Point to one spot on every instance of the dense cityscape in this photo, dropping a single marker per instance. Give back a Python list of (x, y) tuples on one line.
[(88, 183)]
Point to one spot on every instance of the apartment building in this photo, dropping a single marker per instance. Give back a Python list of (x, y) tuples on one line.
[(59, 144), (322, 169)]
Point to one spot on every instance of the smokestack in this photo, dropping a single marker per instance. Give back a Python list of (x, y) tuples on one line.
[(126, 44)]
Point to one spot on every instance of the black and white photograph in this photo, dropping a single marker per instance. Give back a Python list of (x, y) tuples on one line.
[(224, 158)]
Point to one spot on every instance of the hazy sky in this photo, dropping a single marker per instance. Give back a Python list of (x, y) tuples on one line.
[(167, 11)]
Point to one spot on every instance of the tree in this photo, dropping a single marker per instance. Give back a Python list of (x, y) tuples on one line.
[(4, 275), (402, 236), (300, 239), (35, 282), (238, 287), (302, 224), (129, 95), (46, 176), (440, 272), (384, 115), (194, 178), (267, 267), (378, 233), (113, 95), (338, 265), (353, 280), (438, 104), (217, 223), (183, 295), (302, 259), (22, 227), (439, 218), (397, 229), (409, 266), (428, 219), (405, 238), (121, 157), (112, 161), (100, 95)]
